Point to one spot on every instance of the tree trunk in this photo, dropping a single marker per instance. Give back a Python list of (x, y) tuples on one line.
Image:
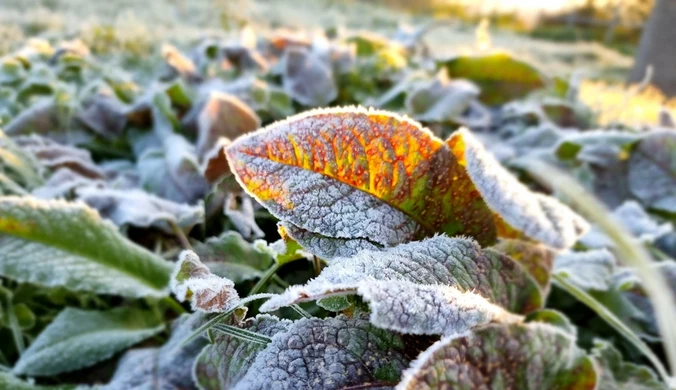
[(658, 48)]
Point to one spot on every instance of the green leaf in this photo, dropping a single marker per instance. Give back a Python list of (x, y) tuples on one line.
[(437, 286), (78, 338), (223, 363), (652, 171), (521, 356), (619, 375), (328, 353), (10, 382), (56, 243), (500, 76), (18, 165)]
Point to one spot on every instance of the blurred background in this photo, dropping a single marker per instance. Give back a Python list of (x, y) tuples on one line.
[(598, 41)]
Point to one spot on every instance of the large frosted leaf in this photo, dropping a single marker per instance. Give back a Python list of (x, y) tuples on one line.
[(349, 173), (521, 356), (56, 243), (223, 363), (207, 292), (538, 216), (330, 353), (437, 286), (230, 256), (619, 375), (652, 171), (78, 338), (141, 209), (166, 368), (501, 77)]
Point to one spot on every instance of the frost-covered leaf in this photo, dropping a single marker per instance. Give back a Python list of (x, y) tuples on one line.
[(241, 215), (18, 165), (223, 115), (307, 78), (230, 256), (615, 374), (79, 338), (529, 356), (538, 216), (54, 155), (38, 245), (440, 100), (329, 247), (214, 162), (223, 363), (401, 284), (141, 209), (538, 259), (600, 147), (173, 172), (10, 382), (63, 182), (168, 367), (105, 115), (349, 173), (652, 171), (207, 292), (500, 77), (590, 270), (635, 220), (330, 353), (179, 63)]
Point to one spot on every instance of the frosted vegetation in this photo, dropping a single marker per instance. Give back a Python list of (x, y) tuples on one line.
[(301, 210)]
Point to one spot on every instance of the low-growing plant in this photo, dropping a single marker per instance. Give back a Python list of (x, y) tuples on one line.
[(212, 230)]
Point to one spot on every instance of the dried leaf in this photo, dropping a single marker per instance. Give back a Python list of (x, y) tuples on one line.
[(54, 155), (232, 257), (207, 292)]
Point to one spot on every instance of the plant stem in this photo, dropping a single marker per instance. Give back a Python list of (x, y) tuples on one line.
[(173, 305), (182, 239), (264, 279), (626, 248), (613, 321)]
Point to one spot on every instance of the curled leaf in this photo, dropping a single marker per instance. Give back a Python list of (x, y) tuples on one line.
[(538, 216), (207, 292)]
